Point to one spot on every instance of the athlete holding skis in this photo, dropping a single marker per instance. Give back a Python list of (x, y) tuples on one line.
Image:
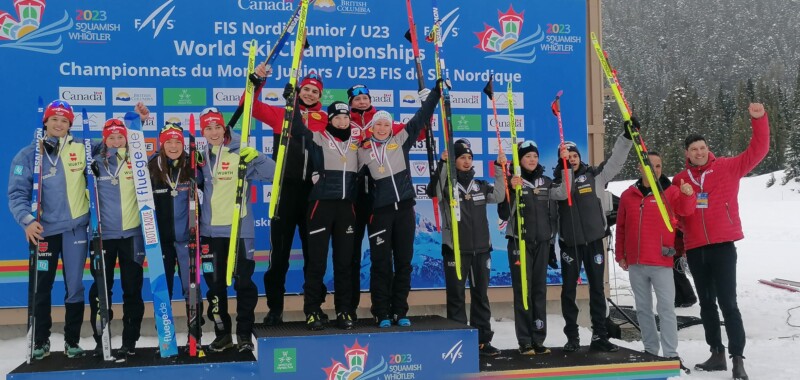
[(218, 179), (582, 228), (392, 224), (61, 229), (476, 247), (122, 235)]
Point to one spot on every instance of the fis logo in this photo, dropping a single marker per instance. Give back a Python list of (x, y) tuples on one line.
[(157, 25), (455, 352)]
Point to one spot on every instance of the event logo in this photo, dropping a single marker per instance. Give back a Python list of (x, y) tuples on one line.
[(157, 25), (184, 96), (466, 123), (359, 7), (506, 43), (284, 360), (455, 352), (355, 364), (447, 25), (129, 96), (27, 33)]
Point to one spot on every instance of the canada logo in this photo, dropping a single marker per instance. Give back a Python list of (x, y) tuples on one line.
[(355, 365), (506, 43), (26, 33)]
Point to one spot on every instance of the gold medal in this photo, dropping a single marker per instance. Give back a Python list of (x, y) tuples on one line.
[(381, 169), (467, 196)]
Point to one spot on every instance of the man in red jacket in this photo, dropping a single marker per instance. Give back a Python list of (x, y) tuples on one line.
[(645, 248), (709, 234)]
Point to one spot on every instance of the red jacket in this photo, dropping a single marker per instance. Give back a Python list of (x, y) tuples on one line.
[(641, 232), (720, 222), (315, 118), (361, 121)]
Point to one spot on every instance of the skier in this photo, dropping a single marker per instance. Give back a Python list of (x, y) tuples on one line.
[(540, 217), (392, 223), (645, 248), (361, 114), (295, 186), (122, 233), (170, 173), (476, 246), (331, 215), (218, 178), (582, 228), (709, 234), (62, 227)]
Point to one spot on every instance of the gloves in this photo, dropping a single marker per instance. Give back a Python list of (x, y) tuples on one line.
[(198, 158), (256, 80), (248, 154), (287, 91), (632, 124), (423, 94), (552, 261), (441, 81)]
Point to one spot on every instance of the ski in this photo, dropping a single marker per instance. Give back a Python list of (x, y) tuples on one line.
[(489, 91), (447, 118), (33, 259), (273, 54), (241, 180), (430, 142), (638, 141), (556, 108), (280, 158), (779, 285), (96, 252), (162, 306), (523, 253), (781, 281), (194, 304)]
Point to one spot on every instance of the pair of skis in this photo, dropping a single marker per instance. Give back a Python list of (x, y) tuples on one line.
[(195, 301), (521, 245), (638, 142), (33, 258), (792, 286)]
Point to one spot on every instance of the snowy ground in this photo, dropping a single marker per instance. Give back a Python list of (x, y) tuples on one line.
[(770, 249)]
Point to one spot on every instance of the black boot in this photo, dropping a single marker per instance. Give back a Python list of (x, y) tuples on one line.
[(738, 368), (716, 362)]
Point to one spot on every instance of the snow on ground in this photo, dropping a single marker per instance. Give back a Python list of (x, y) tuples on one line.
[(771, 248)]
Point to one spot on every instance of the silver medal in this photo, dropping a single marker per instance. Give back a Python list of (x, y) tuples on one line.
[(174, 193), (53, 170), (114, 181)]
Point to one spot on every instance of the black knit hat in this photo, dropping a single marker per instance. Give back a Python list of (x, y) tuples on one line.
[(338, 108), (356, 90), (462, 147), (571, 146), (526, 147)]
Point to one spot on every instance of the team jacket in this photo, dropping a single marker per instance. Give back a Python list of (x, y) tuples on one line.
[(362, 119), (172, 213), (119, 209), (218, 177), (334, 162), (64, 203), (585, 221), (388, 163), (720, 177), (298, 166), (540, 211), (473, 196), (641, 233)]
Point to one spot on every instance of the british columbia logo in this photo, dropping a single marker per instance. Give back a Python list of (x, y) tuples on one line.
[(26, 31), (505, 43)]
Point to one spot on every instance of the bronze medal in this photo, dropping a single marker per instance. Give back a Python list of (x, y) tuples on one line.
[(381, 169)]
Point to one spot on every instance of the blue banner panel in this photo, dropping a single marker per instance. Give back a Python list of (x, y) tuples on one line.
[(178, 57)]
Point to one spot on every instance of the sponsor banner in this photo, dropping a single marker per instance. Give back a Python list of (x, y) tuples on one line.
[(409, 99), (478, 166), (475, 143), (419, 168), (149, 124), (267, 193), (130, 96), (266, 144), (272, 96), (182, 119), (226, 96), (501, 100), (381, 98), (466, 99), (83, 96), (419, 147), (185, 97), (96, 121), (506, 141), (405, 117), (503, 122), (467, 123)]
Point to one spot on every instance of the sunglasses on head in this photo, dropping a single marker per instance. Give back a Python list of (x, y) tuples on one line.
[(59, 104), (360, 91), (170, 126), (570, 144), (528, 144), (210, 110), (313, 75), (113, 123)]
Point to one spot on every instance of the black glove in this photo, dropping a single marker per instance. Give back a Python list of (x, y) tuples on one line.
[(439, 82), (256, 80), (287, 91), (552, 262), (632, 124)]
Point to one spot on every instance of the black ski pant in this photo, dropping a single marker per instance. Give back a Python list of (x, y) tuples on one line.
[(131, 278), (714, 271), (214, 254), (71, 247), (330, 223), (592, 256), (176, 255), (291, 214), (530, 325), (684, 293), (476, 267), (363, 213), (391, 245)]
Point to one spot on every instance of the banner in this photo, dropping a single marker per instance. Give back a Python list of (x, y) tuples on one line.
[(178, 57)]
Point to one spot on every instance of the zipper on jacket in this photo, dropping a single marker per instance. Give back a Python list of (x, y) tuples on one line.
[(639, 235), (703, 219), (305, 159), (344, 173), (394, 185)]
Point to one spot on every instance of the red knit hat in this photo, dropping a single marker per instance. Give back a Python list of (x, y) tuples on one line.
[(211, 115), (114, 126), (60, 108), (169, 132), (312, 79)]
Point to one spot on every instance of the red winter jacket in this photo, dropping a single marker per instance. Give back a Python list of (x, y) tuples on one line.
[(720, 222), (361, 120), (641, 232)]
